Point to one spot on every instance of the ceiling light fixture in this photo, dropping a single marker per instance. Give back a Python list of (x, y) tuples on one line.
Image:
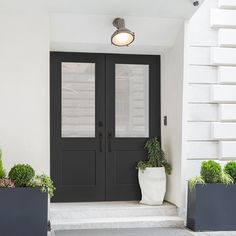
[(122, 36)]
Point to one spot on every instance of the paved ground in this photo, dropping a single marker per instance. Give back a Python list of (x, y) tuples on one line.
[(141, 232)]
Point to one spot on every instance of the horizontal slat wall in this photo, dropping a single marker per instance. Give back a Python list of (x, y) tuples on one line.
[(227, 4), (199, 93), (223, 56), (211, 85), (223, 131), (199, 131), (210, 110), (202, 112), (227, 38), (223, 18), (202, 150), (223, 93), (199, 56), (227, 75), (227, 150), (227, 112), (202, 74)]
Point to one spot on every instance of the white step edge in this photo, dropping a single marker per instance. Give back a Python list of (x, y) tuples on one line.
[(119, 222), (101, 210)]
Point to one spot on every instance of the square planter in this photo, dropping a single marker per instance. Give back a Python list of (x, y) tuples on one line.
[(212, 207), (23, 212)]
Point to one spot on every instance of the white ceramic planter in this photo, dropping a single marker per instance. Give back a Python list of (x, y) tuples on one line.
[(152, 182)]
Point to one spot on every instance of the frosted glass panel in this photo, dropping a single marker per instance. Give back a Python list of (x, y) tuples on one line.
[(132, 100), (78, 99)]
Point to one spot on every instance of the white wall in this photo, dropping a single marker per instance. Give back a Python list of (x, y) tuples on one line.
[(171, 103), (24, 89), (92, 33), (209, 86), (24, 79)]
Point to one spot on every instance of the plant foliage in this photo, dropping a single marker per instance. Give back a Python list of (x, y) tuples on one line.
[(2, 171), (230, 169), (194, 181), (211, 172), (44, 183), (226, 178), (21, 174), (156, 156)]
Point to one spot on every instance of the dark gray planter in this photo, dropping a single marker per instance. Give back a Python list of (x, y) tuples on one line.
[(212, 207), (23, 212)]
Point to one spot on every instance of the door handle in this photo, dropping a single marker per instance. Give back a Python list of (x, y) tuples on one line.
[(109, 142), (100, 141)]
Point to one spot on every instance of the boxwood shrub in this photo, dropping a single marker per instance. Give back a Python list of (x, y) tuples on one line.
[(230, 169)]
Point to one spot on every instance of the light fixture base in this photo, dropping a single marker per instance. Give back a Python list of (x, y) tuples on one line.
[(119, 23)]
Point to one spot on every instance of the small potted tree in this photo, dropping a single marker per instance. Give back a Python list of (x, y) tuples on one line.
[(211, 198), (152, 174), (24, 201)]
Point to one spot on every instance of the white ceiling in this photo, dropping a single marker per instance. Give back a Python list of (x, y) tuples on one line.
[(181, 9)]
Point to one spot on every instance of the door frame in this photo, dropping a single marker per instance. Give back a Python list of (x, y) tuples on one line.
[(154, 121)]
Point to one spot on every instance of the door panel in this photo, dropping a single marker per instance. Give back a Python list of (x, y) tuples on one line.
[(130, 119), (103, 109), (77, 126)]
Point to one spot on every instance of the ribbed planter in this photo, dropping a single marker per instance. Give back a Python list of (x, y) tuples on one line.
[(23, 211), (212, 207)]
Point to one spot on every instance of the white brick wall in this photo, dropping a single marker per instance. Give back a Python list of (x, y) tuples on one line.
[(227, 4), (209, 119)]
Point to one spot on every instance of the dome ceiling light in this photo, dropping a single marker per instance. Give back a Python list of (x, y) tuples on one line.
[(122, 36)]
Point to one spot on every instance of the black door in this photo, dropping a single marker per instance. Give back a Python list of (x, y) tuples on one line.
[(103, 109)]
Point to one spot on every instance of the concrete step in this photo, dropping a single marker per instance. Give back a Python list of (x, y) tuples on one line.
[(125, 232), (118, 222), (74, 211)]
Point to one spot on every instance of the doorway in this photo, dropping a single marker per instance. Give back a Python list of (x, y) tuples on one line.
[(103, 109)]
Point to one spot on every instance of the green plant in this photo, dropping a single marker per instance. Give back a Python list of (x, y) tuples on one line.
[(44, 183), (2, 171), (156, 156), (230, 169), (21, 174), (211, 172), (194, 181), (226, 178)]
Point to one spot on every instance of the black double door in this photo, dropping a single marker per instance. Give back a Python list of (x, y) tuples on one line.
[(103, 109)]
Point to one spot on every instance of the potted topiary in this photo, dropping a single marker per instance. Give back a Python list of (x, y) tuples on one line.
[(230, 169), (211, 198), (152, 174), (24, 201)]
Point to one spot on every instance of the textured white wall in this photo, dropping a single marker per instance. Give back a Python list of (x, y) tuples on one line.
[(209, 85), (24, 89)]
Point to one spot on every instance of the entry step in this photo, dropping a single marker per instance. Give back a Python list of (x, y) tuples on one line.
[(119, 222), (61, 211)]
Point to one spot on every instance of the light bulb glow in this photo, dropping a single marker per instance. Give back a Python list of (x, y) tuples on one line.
[(122, 38)]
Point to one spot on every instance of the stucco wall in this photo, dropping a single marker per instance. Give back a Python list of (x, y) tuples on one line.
[(171, 106), (24, 79), (24, 89)]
